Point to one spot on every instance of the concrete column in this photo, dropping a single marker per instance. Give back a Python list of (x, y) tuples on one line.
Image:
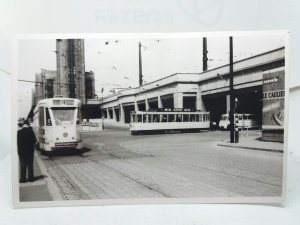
[(227, 103), (147, 104), (108, 115), (178, 100), (114, 114), (199, 101), (160, 105), (122, 114), (136, 107)]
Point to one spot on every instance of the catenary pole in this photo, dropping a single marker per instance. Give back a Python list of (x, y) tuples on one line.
[(140, 66), (231, 91), (204, 54)]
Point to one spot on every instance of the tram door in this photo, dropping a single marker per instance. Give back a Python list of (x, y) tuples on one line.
[(41, 130)]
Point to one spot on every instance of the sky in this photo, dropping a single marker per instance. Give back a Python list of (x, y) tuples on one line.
[(116, 65)]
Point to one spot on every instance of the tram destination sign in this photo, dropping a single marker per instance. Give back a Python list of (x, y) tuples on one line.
[(63, 102), (175, 110)]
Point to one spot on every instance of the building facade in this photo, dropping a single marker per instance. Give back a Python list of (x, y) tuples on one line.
[(45, 86), (70, 79), (71, 68), (206, 91)]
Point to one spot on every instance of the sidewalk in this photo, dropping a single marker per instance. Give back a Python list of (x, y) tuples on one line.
[(253, 142), (38, 190)]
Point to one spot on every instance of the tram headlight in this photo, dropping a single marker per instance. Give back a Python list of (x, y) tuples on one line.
[(65, 134)]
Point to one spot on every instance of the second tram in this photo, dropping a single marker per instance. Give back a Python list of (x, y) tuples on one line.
[(57, 124), (154, 121)]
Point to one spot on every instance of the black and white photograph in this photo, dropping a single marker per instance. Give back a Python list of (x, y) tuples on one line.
[(150, 118)]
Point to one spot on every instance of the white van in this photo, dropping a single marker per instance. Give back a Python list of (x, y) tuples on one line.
[(244, 121)]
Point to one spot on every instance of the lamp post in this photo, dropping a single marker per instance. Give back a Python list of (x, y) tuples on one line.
[(231, 91), (236, 122)]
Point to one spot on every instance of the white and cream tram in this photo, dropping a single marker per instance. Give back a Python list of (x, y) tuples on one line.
[(168, 120), (57, 123)]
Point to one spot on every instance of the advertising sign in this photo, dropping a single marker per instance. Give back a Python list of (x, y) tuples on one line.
[(273, 105)]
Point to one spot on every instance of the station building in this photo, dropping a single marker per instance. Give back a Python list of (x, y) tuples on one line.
[(209, 91)]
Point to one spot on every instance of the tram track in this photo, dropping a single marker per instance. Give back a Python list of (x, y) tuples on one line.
[(143, 184), (64, 182), (121, 169)]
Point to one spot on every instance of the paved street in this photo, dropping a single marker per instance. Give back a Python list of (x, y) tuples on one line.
[(178, 165)]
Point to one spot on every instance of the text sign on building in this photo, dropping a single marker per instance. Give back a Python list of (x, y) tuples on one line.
[(273, 94)]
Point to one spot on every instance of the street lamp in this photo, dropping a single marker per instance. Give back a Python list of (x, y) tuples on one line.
[(231, 90), (236, 122)]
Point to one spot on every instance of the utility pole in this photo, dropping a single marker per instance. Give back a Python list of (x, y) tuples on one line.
[(58, 66), (140, 66), (231, 91), (205, 54)]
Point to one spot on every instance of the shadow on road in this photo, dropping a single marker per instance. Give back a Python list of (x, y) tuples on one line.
[(66, 152)]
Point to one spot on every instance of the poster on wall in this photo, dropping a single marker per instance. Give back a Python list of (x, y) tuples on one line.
[(273, 105)]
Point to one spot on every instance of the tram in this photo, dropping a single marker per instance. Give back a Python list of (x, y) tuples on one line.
[(57, 124), (168, 120)]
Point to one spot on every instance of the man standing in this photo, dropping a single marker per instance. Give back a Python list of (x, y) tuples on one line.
[(26, 143)]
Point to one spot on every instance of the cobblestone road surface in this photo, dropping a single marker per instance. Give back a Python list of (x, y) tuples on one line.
[(180, 165)]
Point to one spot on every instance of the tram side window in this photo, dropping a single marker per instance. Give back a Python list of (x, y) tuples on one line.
[(178, 118), (197, 117), (139, 118), (144, 118), (205, 117), (164, 118), (192, 118), (149, 118), (156, 118), (41, 116), (171, 118), (48, 119), (185, 118)]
